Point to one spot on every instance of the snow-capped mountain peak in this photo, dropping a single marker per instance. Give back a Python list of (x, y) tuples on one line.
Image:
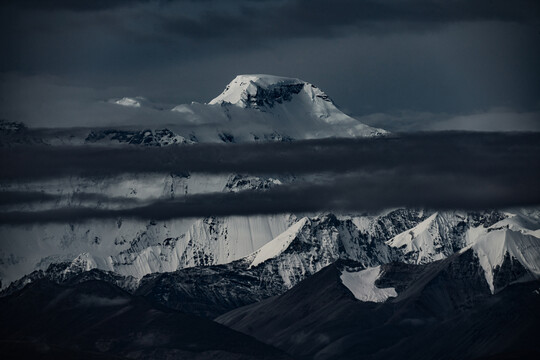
[(259, 90), (294, 106), (507, 247)]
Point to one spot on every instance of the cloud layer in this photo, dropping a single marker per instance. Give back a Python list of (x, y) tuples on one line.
[(436, 170)]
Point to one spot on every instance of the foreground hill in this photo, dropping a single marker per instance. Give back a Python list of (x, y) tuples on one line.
[(443, 310), (97, 320)]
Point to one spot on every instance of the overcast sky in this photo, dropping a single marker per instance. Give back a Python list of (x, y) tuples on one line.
[(401, 64)]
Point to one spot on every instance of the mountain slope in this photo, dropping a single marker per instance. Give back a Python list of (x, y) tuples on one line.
[(301, 250), (320, 318), (130, 246)]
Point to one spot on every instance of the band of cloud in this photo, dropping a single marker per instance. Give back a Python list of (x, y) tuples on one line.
[(436, 170)]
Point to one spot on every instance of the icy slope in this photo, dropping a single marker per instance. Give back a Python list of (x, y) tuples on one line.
[(135, 247), (431, 240), (508, 251), (128, 246), (279, 244), (441, 234), (506, 244), (317, 241), (293, 250), (208, 241)]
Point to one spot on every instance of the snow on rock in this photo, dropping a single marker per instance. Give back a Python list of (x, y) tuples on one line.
[(296, 98), (146, 137), (304, 250), (131, 246), (84, 262), (506, 239), (279, 244), (362, 285), (250, 90), (208, 241), (129, 102), (426, 242), (512, 238)]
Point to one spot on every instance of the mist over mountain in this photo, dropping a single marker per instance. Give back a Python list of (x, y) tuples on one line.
[(274, 213)]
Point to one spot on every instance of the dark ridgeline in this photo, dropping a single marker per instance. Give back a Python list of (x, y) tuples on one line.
[(97, 320)]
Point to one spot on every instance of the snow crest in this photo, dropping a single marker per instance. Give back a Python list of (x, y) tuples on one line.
[(245, 87), (279, 244)]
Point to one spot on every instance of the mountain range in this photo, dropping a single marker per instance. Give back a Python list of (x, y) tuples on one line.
[(400, 283)]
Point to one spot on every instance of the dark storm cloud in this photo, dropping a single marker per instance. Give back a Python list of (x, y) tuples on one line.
[(314, 18), (168, 22), (75, 5), (27, 197), (17, 197), (438, 170), (427, 153), (353, 193), (268, 20), (78, 5), (301, 17)]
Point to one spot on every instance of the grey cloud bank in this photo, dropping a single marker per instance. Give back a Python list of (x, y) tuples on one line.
[(435, 170)]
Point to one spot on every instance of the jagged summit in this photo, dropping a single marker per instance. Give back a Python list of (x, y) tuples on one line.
[(259, 90), (263, 92)]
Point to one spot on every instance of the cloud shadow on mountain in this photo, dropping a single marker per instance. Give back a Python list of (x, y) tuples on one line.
[(437, 170)]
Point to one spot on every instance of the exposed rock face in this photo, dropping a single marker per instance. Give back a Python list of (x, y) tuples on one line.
[(147, 137), (269, 96)]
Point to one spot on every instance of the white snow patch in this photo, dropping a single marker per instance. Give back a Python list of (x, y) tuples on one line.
[(129, 102), (362, 285), (279, 244), (238, 90)]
